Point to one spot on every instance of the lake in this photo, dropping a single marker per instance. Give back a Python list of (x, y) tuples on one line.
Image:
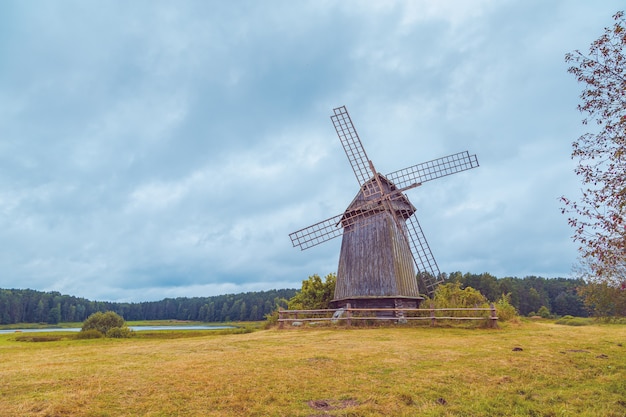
[(135, 328)]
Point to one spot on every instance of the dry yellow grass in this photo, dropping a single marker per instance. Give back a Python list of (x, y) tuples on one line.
[(560, 371)]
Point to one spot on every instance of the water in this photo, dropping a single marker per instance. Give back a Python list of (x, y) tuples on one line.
[(135, 328)]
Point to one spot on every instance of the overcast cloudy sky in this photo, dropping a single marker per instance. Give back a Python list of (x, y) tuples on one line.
[(153, 149)]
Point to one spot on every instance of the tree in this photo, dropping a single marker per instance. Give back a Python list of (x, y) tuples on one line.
[(604, 300), (54, 315), (109, 323), (568, 304), (598, 217), (314, 294), (39, 311)]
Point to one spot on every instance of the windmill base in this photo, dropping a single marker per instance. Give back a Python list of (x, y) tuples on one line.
[(379, 302)]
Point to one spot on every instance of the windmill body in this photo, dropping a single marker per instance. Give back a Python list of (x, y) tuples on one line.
[(382, 238), (375, 262)]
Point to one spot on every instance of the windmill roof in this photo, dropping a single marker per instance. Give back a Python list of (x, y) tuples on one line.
[(363, 204)]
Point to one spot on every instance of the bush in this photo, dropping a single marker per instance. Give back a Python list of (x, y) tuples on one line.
[(573, 321), (109, 323), (315, 293), (120, 332), (504, 310), (271, 319), (451, 295), (544, 312), (89, 334)]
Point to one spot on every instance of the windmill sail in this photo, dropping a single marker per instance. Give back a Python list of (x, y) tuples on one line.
[(431, 170), (317, 233), (361, 165), (427, 268)]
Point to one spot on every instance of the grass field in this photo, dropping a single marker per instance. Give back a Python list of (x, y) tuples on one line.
[(527, 369)]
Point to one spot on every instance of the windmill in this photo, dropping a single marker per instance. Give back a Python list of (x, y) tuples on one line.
[(382, 238)]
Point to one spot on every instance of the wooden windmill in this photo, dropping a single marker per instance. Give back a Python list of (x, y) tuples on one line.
[(382, 238)]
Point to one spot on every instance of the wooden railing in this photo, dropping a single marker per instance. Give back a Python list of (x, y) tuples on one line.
[(349, 315)]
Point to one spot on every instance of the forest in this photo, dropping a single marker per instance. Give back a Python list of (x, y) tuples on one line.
[(558, 295), (30, 306)]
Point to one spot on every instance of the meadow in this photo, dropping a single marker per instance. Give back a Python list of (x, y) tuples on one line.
[(522, 369)]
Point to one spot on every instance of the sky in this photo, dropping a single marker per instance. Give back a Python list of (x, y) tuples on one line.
[(154, 149)]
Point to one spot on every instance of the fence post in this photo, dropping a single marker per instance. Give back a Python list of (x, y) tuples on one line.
[(493, 320), (348, 315), (432, 314), (280, 317)]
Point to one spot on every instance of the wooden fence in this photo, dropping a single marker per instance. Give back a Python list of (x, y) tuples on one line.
[(349, 315)]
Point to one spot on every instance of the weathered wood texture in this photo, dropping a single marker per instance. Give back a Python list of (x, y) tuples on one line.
[(375, 258), (377, 303), (404, 314)]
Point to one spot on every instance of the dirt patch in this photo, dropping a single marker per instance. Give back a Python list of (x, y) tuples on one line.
[(504, 380), (319, 359), (328, 405)]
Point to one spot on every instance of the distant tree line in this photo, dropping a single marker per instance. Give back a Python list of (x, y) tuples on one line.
[(30, 306), (528, 295)]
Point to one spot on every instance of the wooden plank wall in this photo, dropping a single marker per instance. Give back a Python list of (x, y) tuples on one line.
[(375, 260)]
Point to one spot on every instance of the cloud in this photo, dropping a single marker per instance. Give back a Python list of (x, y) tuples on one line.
[(152, 149)]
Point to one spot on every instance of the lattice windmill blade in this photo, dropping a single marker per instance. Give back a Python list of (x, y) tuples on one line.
[(434, 169), (333, 227), (360, 163), (427, 268)]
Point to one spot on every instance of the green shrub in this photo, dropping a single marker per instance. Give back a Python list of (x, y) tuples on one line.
[(504, 310), (451, 295), (544, 312), (120, 332), (573, 321), (89, 334), (104, 322), (315, 293), (271, 319)]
